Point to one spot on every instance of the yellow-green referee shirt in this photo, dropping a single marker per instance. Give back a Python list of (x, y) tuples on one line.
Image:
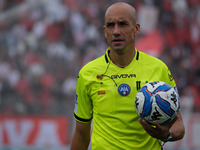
[(108, 99)]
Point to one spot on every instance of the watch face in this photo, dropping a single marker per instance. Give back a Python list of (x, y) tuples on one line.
[(169, 137)]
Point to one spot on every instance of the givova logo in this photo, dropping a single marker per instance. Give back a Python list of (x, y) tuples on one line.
[(124, 89)]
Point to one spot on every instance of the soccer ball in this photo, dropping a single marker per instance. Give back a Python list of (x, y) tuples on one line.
[(157, 101)]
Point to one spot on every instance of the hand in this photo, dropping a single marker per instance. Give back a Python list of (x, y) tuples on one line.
[(157, 131)]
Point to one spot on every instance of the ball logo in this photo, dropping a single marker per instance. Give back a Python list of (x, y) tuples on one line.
[(124, 89)]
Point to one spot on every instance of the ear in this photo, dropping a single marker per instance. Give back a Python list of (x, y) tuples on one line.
[(137, 29), (105, 31)]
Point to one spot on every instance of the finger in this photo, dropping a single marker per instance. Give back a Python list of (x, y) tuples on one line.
[(148, 127), (143, 122), (140, 120), (156, 124)]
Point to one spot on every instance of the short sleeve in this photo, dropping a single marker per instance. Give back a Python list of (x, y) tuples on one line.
[(83, 104), (167, 76)]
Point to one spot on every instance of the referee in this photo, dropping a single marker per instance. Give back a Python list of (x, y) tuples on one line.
[(106, 89)]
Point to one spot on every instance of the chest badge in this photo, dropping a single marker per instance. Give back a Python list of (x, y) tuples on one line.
[(124, 89), (101, 92)]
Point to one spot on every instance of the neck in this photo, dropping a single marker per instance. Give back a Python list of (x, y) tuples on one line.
[(122, 59)]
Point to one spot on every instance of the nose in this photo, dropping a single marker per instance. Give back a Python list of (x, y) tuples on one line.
[(116, 30)]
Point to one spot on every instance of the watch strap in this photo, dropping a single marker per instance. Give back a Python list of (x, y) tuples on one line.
[(168, 138)]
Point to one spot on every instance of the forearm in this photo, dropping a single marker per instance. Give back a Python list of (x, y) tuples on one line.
[(81, 137), (80, 142), (177, 129), (161, 132)]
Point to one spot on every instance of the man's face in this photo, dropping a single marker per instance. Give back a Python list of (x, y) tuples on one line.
[(120, 29)]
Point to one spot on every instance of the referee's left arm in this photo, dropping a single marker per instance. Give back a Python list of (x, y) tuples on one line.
[(177, 129), (172, 131)]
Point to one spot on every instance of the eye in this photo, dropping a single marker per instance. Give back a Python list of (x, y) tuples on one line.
[(110, 24), (123, 23)]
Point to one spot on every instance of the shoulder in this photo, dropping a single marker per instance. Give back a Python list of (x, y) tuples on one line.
[(157, 66), (96, 66), (150, 60)]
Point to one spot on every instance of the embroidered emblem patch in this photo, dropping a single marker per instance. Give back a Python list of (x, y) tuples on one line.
[(76, 99), (124, 89), (101, 92)]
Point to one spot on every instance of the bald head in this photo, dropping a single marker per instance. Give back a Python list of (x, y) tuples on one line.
[(122, 6)]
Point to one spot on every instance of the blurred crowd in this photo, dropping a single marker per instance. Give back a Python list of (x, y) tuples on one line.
[(44, 45)]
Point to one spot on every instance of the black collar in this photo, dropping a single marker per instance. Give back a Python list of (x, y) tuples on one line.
[(107, 61)]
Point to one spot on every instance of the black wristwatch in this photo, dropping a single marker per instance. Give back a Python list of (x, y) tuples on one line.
[(168, 138)]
